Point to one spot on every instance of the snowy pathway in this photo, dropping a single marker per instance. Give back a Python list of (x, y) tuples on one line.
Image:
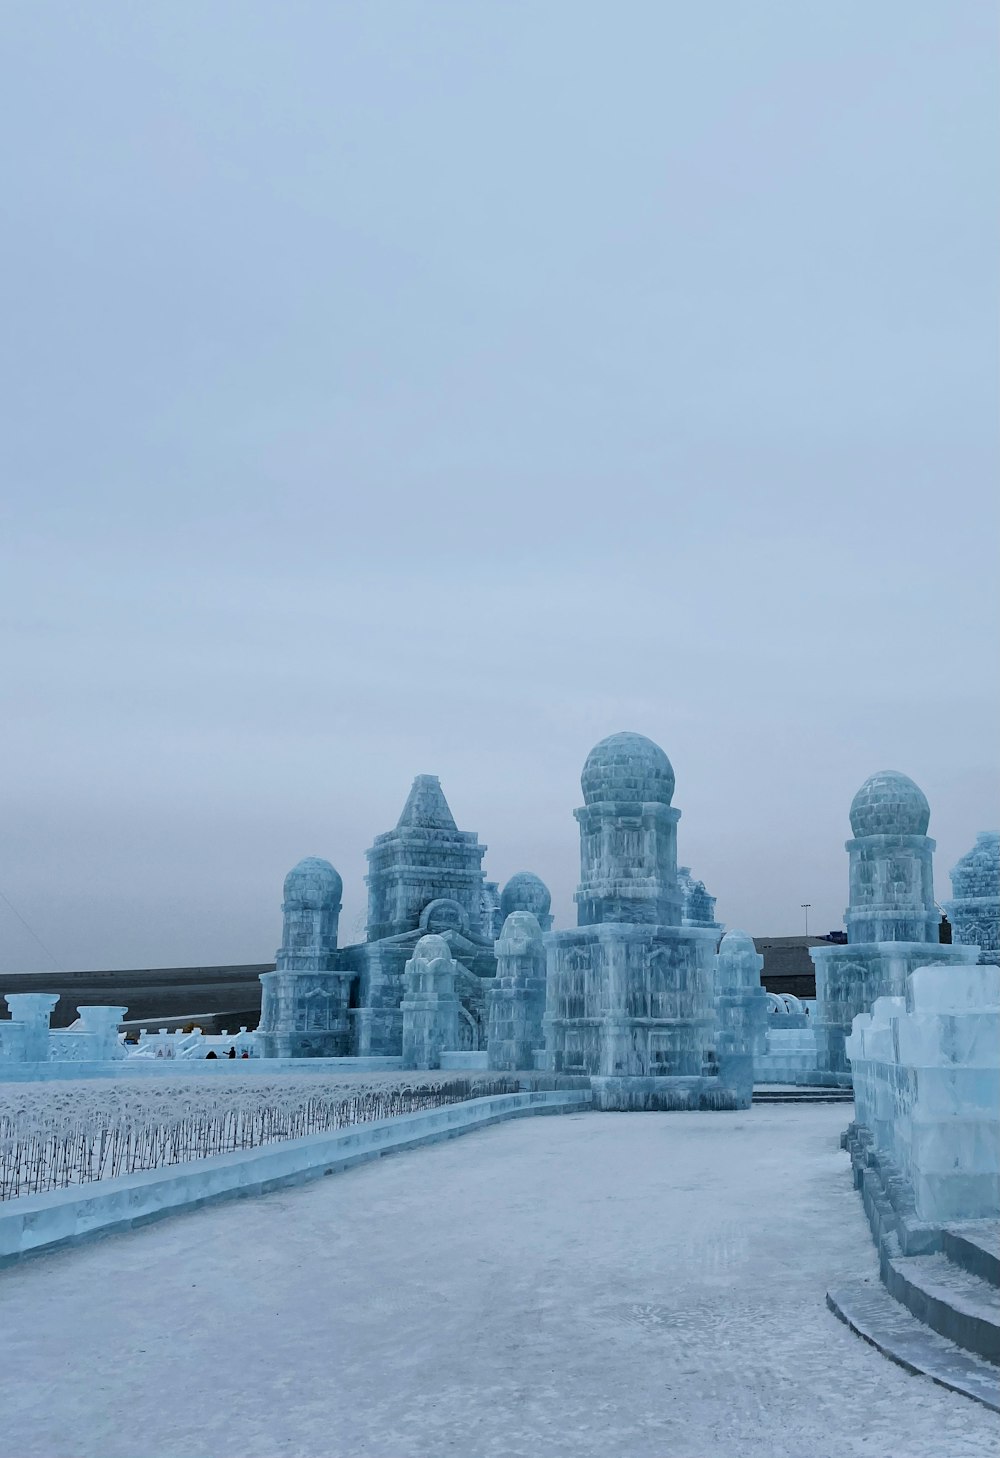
[(582, 1286)]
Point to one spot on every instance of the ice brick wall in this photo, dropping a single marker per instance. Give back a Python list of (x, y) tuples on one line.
[(926, 1070)]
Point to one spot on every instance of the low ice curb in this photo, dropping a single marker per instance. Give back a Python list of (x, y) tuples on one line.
[(31, 1224)]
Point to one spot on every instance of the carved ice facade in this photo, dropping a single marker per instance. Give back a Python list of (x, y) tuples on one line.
[(425, 879), (27, 1037), (517, 995), (630, 990), (975, 906)]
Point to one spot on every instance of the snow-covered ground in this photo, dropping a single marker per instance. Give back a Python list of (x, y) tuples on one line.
[(594, 1285)]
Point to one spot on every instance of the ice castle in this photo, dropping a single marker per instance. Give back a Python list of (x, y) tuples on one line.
[(425, 880), (628, 997)]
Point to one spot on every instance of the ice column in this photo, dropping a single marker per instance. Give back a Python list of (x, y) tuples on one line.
[(33, 1011), (431, 1007), (517, 997)]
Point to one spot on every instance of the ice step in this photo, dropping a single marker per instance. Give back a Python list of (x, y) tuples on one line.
[(869, 1310), (957, 1304), (975, 1246)]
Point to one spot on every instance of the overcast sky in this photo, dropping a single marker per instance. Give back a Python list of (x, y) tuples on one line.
[(437, 388)]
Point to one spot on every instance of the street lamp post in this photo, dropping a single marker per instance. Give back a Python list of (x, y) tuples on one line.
[(805, 907)]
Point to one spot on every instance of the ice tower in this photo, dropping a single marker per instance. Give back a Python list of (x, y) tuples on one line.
[(304, 1001), (527, 892), (629, 998), (892, 921), (517, 995), (975, 906)]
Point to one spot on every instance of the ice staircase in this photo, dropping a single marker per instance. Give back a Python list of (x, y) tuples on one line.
[(797, 1093), (937, 1313)]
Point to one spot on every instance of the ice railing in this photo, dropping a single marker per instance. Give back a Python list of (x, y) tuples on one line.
[(926, 1073), (95, 1037)]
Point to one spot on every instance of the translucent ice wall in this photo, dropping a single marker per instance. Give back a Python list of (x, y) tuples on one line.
[(926, 1072)]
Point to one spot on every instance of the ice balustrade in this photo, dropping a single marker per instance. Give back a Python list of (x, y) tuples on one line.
[(95, 1037), (926, 1070)]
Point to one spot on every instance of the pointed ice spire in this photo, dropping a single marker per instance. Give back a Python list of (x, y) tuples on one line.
[(426, 808)]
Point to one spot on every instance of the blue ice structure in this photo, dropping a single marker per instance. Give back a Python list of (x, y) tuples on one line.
[(25, 1039), (974, 909), (892, 920), (305, 1000), (28, 1038), (527, 892), (741, 1007), (630, 990), (431, 1012), (425, 878), (517, 994), (927, 1091), (697, 907)]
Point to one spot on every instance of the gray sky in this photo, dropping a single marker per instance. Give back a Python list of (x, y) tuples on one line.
[(437, 388)]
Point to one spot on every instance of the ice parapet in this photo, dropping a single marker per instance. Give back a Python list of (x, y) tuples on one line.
[(926, 1069)]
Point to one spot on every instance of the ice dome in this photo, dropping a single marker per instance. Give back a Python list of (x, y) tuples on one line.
[(430, 947), (313, 883), (890, 804), (525, 892), (978, 872), (627, 767), (737, 941)]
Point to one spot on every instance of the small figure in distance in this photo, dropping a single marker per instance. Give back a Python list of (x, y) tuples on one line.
[(245, 1053), (231, 1053), (211, 1053)]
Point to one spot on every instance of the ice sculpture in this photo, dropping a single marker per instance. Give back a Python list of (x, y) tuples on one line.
[(697, 907), (517, 996), (630, 990), (304, 1002), (424, 877), (527, 892), (975, 888), (93, 1037), (30, 1012), (927, 1097), (741, 1009), (431, 1009), (892, 921)]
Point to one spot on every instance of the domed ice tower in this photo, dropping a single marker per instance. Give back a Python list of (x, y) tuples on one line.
[(527, 892), (629, 999), (304, 1001), (975, 905), (892, 920)]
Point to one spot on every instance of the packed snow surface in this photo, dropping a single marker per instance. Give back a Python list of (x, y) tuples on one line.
[(587, 1285)]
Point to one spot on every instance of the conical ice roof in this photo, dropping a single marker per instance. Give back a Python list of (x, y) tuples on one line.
[(426, 808)]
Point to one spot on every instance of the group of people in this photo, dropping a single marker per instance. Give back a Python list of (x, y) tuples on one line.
[(231, 1054)]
